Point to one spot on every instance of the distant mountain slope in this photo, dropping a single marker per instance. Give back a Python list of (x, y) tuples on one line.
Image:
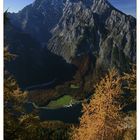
[(33, 64), (91, 35), (39, 18)]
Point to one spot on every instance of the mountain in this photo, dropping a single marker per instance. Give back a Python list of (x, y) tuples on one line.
[(38, 18), (33, 64), (95, 27), (90, 35)]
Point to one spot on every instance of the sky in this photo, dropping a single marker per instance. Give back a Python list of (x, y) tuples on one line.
[(126, 6)]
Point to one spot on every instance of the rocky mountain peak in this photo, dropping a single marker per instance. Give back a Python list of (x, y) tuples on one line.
[(89, 32), (96, 29), (47, 4), (39, 18)]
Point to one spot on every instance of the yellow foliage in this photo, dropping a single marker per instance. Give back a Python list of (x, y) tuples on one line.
[(7, 55), (130, 79), (12, 91), (102, 118), (130, 133)]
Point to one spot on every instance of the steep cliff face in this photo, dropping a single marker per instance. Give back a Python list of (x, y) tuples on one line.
[(95, 27), (89, 34)]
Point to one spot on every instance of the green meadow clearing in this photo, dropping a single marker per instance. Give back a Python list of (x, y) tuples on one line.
[(61, 102)]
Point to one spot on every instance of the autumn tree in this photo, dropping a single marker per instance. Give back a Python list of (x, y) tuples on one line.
[(129, 80), (13, 101), (102, 117), (15, 118), (130, 83)]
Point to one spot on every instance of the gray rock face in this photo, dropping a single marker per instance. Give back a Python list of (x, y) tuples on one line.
[(95, 27), (89, 34)]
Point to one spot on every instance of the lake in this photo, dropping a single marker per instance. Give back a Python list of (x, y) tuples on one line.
[(67, 115)]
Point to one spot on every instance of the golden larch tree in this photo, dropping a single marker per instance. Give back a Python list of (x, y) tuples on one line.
[(102, 117)]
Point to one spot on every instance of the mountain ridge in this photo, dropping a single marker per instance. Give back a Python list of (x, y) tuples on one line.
[(89, 32)]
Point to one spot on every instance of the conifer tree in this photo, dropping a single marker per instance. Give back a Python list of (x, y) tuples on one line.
[(102, 117), (130, 79)]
